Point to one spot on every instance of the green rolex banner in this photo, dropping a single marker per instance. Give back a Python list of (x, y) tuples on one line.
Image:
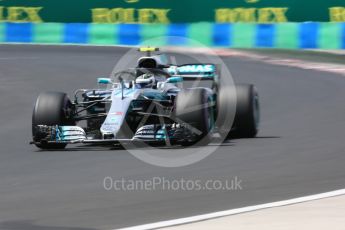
[(172, 11)]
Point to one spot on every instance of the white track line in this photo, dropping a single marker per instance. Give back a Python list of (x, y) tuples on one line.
[(213, 215)]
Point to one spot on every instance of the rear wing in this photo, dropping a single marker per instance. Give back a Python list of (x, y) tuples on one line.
[(195, 71)]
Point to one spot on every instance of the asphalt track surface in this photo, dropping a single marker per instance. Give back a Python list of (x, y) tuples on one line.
[(300, 149)]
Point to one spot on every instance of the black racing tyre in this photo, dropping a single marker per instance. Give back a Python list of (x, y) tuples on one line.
[(226, 108), (246, 117), (246, 123), (193, 107), (51, 108)]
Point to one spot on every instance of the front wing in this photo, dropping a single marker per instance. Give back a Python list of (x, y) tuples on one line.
[(149, 134)]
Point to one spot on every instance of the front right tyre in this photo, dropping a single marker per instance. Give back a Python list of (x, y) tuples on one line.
[(51, 108)]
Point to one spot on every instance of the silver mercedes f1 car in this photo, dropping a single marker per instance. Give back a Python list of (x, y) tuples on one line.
[(148, 104)]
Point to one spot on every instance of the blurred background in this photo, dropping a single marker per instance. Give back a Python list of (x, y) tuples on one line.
[(290, 24)]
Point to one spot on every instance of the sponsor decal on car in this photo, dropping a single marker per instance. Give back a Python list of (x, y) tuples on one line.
[(117, 113), (196, 68)]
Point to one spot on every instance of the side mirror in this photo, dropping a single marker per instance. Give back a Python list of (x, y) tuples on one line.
[(174, 80), (104, 81)]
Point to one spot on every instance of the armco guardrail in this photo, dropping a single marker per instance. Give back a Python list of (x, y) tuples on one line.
[(282, 35)]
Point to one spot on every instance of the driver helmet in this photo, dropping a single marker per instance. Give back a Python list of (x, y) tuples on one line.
[(146, 80)]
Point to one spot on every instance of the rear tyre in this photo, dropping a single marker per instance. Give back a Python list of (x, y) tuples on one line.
[(246, 123), (193, 108), (247, 116), (51, 108)]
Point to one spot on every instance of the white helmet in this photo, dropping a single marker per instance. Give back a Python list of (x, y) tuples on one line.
[(146, 80)]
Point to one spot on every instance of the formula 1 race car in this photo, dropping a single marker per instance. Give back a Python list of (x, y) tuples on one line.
[(148, 104)]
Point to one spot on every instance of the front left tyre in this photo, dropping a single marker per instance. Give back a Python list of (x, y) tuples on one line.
[(51, 108), (193, 108)]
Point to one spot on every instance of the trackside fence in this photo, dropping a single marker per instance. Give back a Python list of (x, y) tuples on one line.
[(309, 35)]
